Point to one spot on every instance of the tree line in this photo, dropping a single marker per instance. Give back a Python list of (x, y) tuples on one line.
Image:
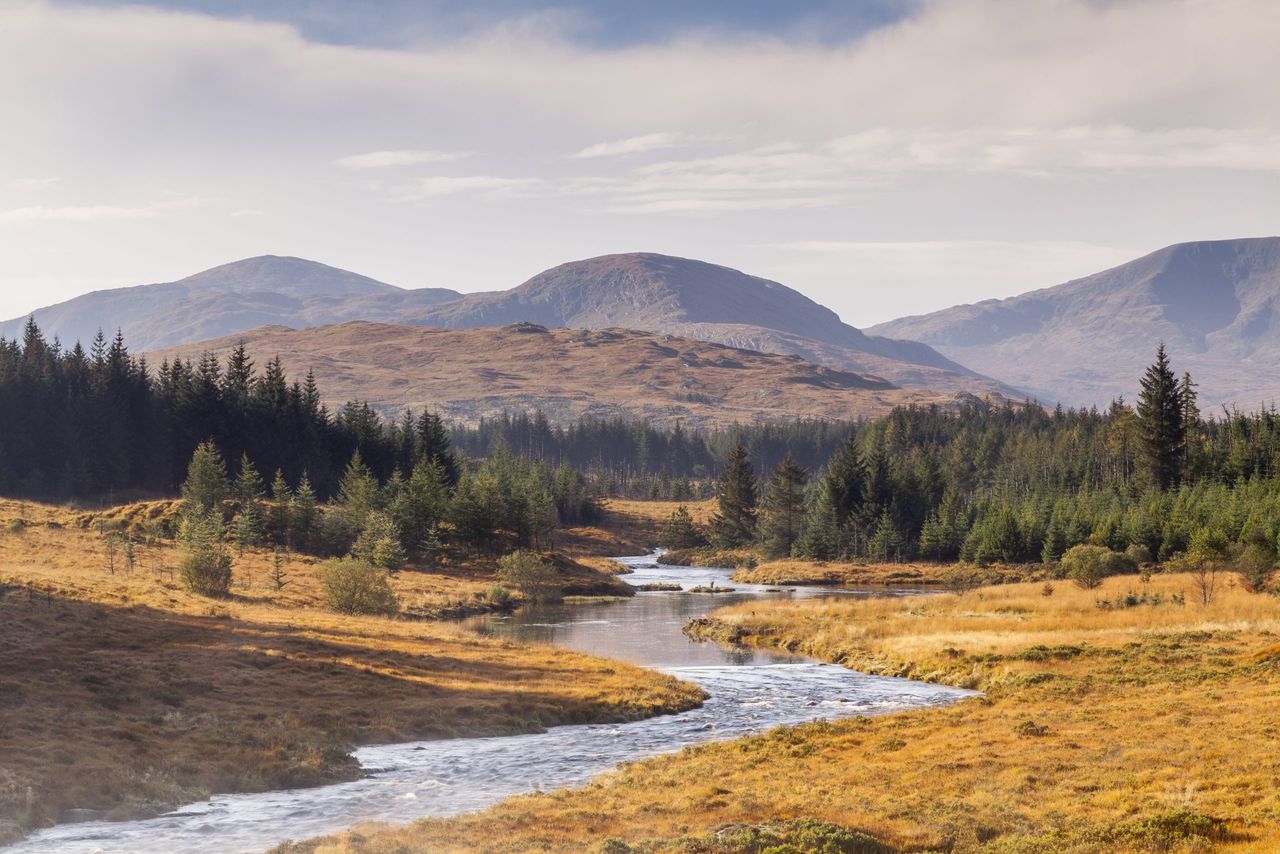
[(1016, 484)]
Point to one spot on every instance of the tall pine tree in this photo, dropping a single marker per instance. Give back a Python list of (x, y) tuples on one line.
[(1160, 419), (735, 525), (783, 510)]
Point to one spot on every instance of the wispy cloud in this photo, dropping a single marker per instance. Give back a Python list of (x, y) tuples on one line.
[(32, 183), (438, 186), (633, 145), (95, 213), (391, 159)]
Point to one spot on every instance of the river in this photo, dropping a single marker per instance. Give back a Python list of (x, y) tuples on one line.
[(749, 692)]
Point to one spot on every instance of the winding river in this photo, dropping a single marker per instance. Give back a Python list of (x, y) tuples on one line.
[(749, 692)]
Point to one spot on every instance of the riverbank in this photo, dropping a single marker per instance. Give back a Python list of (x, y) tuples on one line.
[(123, 695), (1128, 718), (748, 568)]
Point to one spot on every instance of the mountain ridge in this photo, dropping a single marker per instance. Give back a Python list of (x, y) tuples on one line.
[(1215, 304), (645, 291)]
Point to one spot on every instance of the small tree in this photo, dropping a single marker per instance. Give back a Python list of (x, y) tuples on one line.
[(1206, 556), (352, 586), (379, 543), (206, 565), (358, 493), (206, 485), (534, 577), (735, 523), (1087, 565), (302, 519), (1256, 567), (279, 578), (783, 511), (680, 531), (279, 521)]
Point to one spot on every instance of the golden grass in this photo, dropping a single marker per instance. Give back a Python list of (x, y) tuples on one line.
[(797, 571), (1145, 728), (125, 694)]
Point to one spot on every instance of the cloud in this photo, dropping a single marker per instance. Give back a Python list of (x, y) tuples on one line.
[(95, 213), (442, 185), (32, 183), (1131, 123), (388, 159), (632, 145), (249, 212)]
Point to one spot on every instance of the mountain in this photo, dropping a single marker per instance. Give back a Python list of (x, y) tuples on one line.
[(694, 299), (225, 300), (467, 374), (654, 293), (1215, 305)]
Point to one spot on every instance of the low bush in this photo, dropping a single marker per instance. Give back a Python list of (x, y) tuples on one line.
[(352, 586), (1086, 565)]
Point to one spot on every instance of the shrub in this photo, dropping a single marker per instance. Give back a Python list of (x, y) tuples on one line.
[(1086, 565), (353, 586), (498, 595), (206, 563), (534, 577), (1256, 567), (1139, 554)]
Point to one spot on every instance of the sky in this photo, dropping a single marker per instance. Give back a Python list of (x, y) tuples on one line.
[(886, 158)]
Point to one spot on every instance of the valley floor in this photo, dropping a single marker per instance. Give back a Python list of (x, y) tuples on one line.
[(121, 694), (1128, 718)]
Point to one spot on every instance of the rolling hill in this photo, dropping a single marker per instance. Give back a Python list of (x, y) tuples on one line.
[(224, 300), (644, 291), (1215, 305), (466, 374)]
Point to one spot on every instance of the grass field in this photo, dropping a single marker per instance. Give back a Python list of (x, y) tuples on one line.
[(123, 694), (1146, 725)]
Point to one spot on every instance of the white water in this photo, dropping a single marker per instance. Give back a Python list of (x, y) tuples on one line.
[(750, 692)]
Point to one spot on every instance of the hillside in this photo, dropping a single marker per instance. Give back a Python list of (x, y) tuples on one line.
[(225, 300), (567, 373), (645, 291), (694, 299), (1215, 304)]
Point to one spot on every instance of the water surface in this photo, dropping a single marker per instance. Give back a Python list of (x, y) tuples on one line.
[(749, 692)]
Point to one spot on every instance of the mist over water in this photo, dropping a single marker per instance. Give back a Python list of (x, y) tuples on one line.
[(750, 692)]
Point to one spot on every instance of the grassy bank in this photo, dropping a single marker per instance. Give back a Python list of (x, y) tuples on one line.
[(1147, 724), (122, 694)]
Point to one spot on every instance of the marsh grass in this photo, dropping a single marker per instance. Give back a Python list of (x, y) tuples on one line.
[(1148, 728), (125, 694)]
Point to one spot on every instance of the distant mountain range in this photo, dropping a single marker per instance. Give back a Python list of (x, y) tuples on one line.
[(1215, 305), (643, 291), (468, 374)]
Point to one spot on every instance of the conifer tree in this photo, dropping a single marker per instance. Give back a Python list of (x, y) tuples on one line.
[(782, 512), (206, 485), (433, 441), (1160, 417), (281, 505), (734, 525), (357, 492), (303, 515), (679, 531), (379, 543)]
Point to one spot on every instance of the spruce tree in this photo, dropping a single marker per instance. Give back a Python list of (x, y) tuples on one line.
[(303, 515), (357, 493), (735, 525), (433, 442), (1160, 419), (782, 512), (206, 485), (679, 531)]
